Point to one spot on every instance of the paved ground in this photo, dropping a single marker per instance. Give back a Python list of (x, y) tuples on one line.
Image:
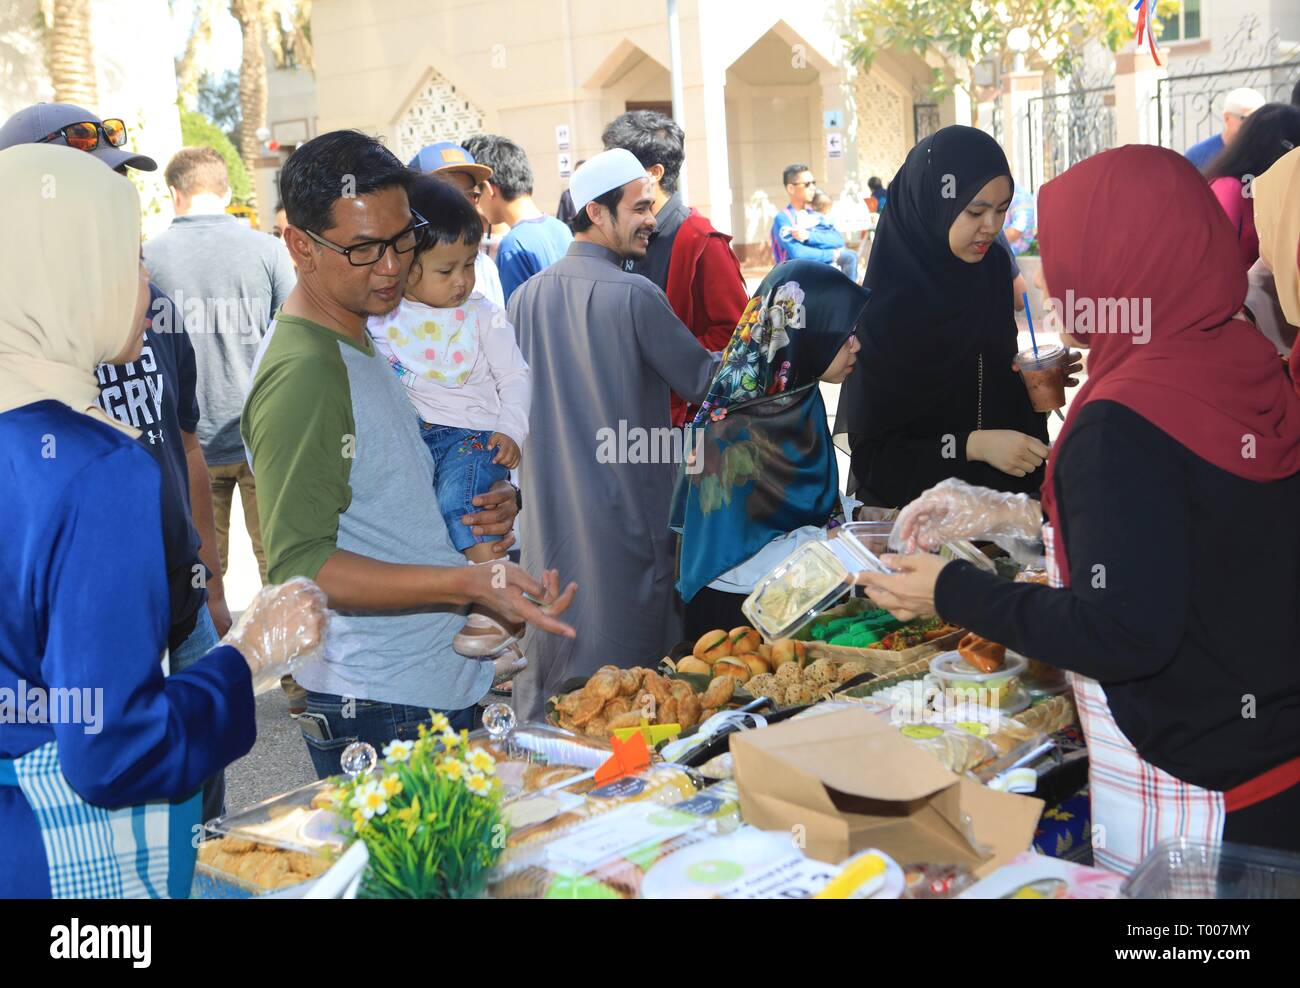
[(277, 763)]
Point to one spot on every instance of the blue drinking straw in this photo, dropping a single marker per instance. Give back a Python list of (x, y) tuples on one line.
[(1030, 316)]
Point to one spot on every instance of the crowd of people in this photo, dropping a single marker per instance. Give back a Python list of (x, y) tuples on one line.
[(420, 356)]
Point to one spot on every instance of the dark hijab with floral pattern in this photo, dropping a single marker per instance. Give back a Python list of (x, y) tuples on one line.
[(762, 464)]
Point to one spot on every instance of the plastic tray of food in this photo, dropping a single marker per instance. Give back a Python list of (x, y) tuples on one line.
[(955, 673), (538, 818), (299, 820), (1184, 869), (813, 579), (235, 868), (533, 756), (608, 856)]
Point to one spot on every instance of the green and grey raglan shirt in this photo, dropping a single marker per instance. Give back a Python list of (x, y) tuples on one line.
[(335, 447)]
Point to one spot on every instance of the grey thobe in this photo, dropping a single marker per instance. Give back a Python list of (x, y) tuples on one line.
[(605, 349)]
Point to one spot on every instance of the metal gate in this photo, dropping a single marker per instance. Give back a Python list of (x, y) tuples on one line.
[(1189, 106), (925, 120), (1064, 128)]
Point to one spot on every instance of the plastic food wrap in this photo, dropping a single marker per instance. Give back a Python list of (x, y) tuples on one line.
[(282, 628), (953, 510), (609, 856), (542, 817), (300, 820), (960, 749), (533, 756)]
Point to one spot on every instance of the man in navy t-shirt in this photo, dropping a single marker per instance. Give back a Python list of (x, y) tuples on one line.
[(535, 240)]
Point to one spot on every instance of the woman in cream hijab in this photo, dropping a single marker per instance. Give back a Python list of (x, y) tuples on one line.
[(75, 290), (100, 760), (1274, 295)]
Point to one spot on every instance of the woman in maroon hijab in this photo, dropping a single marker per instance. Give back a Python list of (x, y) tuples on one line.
[(1171, 499)]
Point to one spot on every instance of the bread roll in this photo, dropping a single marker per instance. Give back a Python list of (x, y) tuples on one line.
[(729, 666), (712, 646), (757, 664), (690, 664), (744, 639)]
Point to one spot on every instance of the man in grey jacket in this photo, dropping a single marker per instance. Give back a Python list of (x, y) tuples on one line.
[(226, 282)]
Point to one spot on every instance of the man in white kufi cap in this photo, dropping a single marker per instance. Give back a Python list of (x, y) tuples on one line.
[(1237, 106), (605, 350)]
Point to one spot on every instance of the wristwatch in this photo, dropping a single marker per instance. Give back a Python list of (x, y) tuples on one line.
[(519, 496)]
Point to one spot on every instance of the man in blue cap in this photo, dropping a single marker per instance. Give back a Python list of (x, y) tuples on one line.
[(155, 394), (452, 163)]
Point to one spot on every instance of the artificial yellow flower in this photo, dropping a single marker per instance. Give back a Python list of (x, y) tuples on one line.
[(481, 760), (439, 723), (392, 785), (478, 784), (358, 820), (452, 768), (450, 739)]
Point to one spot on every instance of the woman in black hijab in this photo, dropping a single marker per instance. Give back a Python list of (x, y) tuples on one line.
[(934, 394)]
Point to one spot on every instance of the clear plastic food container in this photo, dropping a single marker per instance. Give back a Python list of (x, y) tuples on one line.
[(1184, 869), (954, 673), (813, 579), (299, 820)]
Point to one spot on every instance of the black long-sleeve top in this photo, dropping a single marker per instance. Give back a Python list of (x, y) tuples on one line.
[(1184, 599)]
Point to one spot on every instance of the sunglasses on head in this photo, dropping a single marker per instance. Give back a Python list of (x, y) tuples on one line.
[(85, 135)]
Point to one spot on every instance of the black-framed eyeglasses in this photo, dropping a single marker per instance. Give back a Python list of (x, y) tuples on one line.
[(85, 134), (372, 251)]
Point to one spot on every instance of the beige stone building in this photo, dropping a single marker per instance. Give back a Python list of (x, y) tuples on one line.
[(765, 84)]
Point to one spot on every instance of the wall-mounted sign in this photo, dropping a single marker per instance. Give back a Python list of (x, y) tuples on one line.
[(566, 165), (834, 145), (562, 137)]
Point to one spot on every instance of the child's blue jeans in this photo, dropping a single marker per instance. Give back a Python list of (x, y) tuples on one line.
[(463, 468)]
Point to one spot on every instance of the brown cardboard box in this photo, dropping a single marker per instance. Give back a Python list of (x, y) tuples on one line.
[(851, 781)]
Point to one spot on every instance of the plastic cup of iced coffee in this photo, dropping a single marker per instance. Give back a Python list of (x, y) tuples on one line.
[(1044, 376)]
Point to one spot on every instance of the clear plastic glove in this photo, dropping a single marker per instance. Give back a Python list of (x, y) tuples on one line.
[(953, 509), (281, 627)]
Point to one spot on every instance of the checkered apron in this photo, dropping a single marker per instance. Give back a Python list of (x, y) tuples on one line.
[(144, 851), (1134, 804)]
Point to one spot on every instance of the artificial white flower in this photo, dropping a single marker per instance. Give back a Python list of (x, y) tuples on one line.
[(398, 751), (481, 761), (375, 803), (478, 784)]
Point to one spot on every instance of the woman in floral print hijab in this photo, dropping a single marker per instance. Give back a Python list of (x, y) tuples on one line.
[(761, 466)]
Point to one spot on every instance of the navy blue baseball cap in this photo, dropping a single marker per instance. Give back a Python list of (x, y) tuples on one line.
[(447, 156), (35, 123)]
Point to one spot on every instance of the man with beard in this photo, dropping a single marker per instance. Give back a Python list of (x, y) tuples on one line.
[(605, 349)]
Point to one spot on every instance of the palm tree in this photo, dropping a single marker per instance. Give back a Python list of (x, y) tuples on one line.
[(189, 67), (69, 50), (284, 26), (251, 15)]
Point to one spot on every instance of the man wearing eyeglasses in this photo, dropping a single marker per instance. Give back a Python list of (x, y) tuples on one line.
[(345, 485), (454, 164), (793, 233)]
